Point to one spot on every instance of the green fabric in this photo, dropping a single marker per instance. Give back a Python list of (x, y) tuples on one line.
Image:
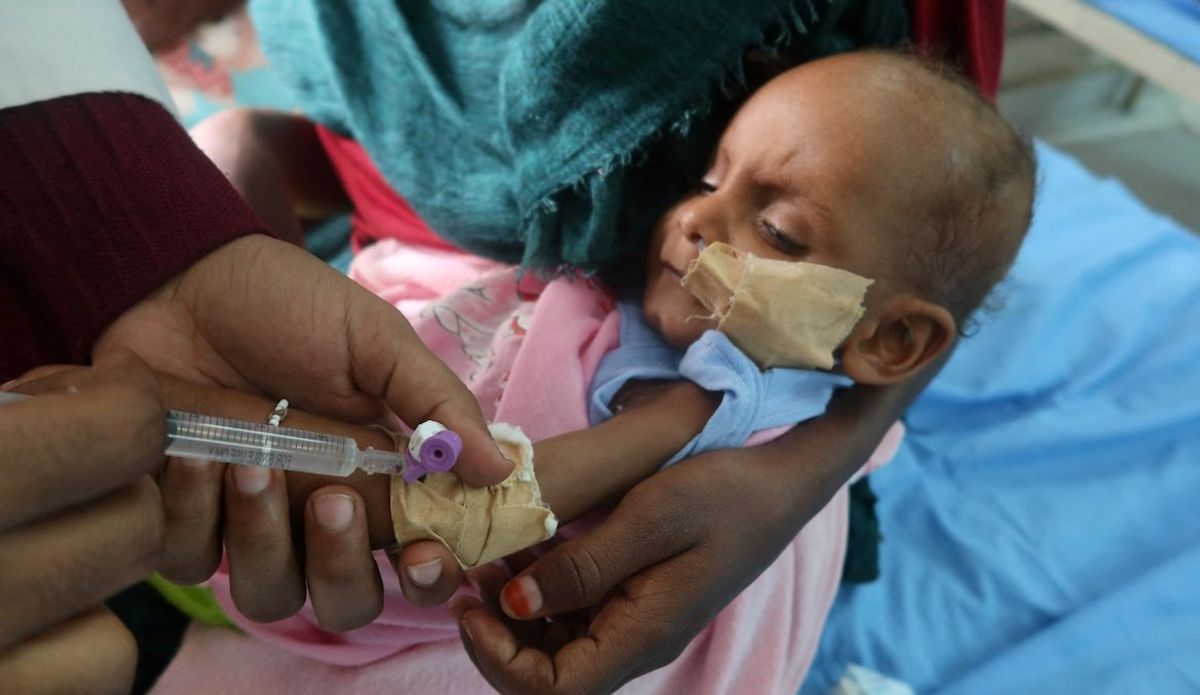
[(512, 126), (863, 537), (197, 602)]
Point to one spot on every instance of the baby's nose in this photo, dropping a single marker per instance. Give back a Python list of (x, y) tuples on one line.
[(703, 224)]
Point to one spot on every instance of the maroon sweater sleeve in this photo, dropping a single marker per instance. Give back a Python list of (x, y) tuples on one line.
[(967, 32), (103, 197)]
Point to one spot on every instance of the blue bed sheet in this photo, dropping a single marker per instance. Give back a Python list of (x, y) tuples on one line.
[(1042, 520), (1175, 23)]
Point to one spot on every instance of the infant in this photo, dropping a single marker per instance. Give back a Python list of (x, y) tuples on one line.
[(869, 176), (872, 186), (876, 163)]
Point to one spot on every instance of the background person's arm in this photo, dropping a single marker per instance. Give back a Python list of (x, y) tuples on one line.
[(164, 23), (276, 161)]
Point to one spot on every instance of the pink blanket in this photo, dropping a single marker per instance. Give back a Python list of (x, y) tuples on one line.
[(528, 350)]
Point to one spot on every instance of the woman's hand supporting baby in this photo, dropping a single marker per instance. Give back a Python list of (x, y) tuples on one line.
[(628, 597)]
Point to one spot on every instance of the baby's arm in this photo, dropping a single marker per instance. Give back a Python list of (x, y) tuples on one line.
[(654, 420), (279, 548), (276, 162), (576, 471)]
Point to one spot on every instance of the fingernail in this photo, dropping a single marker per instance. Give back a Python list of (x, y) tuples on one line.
[(521, 597), (251, 480), (193, 465), (334, 512), (426, 573)]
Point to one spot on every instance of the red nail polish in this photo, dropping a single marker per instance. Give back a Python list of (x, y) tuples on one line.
[(515, 601), (522, 597)]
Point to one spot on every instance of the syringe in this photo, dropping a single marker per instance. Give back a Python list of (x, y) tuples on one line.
[(432, 448)]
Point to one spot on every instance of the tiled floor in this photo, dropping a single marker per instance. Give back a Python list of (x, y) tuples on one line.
[(1059, 90)]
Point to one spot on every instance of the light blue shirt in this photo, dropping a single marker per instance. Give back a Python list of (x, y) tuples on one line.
[(752, 399)]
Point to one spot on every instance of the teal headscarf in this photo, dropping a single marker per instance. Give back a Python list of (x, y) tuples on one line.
[(518, 129)]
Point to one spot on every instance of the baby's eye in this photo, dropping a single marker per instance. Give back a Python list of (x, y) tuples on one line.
[(780, 240), (705, 186)]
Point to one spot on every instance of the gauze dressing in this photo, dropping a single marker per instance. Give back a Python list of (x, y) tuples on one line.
[(781, 313), (477, 524)]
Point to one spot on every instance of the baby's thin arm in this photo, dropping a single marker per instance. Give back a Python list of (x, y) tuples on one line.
[(576, 471), (579, 470)]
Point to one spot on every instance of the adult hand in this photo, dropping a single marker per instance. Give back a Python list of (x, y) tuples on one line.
[(262, 316), (80, 520), (630, 596)]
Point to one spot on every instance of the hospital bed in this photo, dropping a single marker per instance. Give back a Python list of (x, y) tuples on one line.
[(1042, 521), (1158, 40)]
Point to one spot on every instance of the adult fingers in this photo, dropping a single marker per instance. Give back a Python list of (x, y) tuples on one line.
[(580, 572), (389, 361), (264, 574), (61, 564), (428, 572), (343, 580), (106, 433), (242, 406), (374, 493), (192, 490), (90, 653), (582, 666), (191, 493), (635, 632), (489, 580), (47, 372)]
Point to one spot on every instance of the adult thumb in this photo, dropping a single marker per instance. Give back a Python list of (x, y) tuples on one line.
[(580, 572), (390, 362)]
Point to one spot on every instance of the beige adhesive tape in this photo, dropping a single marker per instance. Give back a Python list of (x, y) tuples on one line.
[(477, 524), (780, 313)]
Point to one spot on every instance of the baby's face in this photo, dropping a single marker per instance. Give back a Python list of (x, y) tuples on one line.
[(816, 167)]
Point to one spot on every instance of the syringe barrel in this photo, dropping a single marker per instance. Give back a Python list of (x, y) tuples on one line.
[(233, 441)]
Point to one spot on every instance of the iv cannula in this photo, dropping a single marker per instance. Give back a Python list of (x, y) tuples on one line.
[(432, 447)]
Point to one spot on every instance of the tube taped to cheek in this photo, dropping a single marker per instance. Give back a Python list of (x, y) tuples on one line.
[(781, 313)]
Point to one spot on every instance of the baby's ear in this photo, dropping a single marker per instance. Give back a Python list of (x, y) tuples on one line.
[(898, 342)]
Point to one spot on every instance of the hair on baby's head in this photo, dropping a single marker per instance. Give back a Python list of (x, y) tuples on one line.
[(969, 218)]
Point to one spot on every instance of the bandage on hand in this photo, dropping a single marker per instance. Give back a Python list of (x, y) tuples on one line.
[(477, 524)]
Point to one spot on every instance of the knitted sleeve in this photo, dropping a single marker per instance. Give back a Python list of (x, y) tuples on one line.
[(103, 197)]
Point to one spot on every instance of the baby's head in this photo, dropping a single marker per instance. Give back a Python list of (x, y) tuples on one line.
[(872, 162)]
